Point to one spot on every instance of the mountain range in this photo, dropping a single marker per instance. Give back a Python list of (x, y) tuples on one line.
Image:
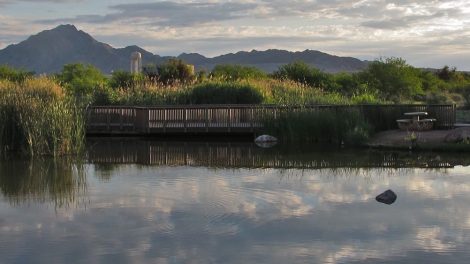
[(49, 50)]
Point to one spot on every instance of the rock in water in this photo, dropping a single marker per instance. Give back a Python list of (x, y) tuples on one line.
[(265, 139), (266, 144), (388, 197)]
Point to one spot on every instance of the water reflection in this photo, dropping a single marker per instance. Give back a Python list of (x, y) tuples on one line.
[(55, 181), (183, 211), (248, 155)]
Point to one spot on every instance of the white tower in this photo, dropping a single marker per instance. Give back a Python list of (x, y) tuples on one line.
[(136, 62)]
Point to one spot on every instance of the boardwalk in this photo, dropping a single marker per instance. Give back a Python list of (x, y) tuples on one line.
[(237, 119)]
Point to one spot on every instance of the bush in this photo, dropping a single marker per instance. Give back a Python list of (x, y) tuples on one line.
[(14, 75), (393, 79), (223, 93), (125, 80), (175, 70), (230, 72), (303, 73), (81, 80)]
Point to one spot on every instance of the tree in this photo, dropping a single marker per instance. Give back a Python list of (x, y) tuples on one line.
[(303, 73), (81, 79), (446, 73), (150, 71), (231, 72), (125, 80), (393, 79), (175, 70), (14, 75)]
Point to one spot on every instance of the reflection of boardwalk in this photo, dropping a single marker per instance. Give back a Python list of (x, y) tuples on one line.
[(246, 155)]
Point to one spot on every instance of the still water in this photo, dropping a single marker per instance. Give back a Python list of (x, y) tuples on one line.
[(168, 202)]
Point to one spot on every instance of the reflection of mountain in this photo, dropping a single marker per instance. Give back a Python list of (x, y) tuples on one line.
[(247, 155), (47, 180)]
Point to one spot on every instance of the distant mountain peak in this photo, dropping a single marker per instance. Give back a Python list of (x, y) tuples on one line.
[(49, 50), (69, 27)]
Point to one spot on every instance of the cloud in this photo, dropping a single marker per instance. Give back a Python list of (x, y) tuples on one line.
[(404, 20), (10, 2), (168, 13), (364, 28)]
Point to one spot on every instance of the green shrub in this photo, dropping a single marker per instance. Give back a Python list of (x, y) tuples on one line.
[(393, 79), (14, 75), (230, 72), (303, 73), (125, 80), (175, 70), (81, 80), (223, 93)]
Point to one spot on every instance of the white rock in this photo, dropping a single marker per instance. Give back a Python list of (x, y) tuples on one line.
[(265, 139)]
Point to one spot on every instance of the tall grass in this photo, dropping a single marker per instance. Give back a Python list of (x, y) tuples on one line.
[(330, 125), (37, 117), (217, 91)]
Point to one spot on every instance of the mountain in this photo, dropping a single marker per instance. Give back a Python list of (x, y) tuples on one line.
[(49, 50), (270, 60)]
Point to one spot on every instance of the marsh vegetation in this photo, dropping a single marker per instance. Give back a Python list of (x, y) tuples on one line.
[(44, 115)]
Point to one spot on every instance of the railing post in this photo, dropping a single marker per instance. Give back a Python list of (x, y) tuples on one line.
[(108, 120), (207, 118), (251, 119), (147, 123), (185, 124), (121, 119), (229, 119), (165, 120)]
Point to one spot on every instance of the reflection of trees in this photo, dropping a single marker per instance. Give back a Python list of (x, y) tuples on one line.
[(45, 180)]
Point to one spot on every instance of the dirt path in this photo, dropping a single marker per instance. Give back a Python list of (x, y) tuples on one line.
[(403, 139)]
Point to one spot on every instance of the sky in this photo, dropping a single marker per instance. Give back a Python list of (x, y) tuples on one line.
[(426, 33)]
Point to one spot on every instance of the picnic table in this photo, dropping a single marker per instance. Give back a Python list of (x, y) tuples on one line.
[(416, 115), (415, 123)]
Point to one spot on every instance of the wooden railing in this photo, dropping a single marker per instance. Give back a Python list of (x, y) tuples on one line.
[(239, 118)]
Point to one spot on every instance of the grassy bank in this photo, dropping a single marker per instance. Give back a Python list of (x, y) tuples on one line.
[(37, 117)]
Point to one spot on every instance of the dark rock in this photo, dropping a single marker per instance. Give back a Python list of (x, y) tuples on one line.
[(388, 197)]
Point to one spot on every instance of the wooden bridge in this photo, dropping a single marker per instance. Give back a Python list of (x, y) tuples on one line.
[(237, 119)]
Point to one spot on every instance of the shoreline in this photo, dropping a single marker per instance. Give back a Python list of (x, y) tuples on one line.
[(457, 139)]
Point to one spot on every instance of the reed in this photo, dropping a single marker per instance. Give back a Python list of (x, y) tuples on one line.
[(217, 91), (37, 117), (330, 125)]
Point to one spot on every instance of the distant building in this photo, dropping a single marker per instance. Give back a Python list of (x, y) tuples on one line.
[(136, 62)]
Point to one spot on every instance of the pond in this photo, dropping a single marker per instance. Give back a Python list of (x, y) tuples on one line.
[(218, 202)]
